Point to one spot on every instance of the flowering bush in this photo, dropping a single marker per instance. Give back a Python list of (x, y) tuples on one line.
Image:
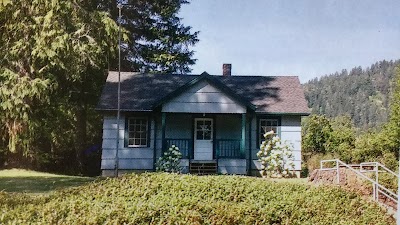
[(276, 157), (169, 162)]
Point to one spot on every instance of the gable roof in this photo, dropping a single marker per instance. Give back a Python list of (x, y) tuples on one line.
[(263, 94), (211, 80)]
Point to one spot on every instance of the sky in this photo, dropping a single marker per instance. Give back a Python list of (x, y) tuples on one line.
[(305, 38)]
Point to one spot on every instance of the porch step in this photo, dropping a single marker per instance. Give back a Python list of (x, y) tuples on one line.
[(203, 167)]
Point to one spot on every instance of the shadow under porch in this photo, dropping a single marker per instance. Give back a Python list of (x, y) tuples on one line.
[(221, 139)]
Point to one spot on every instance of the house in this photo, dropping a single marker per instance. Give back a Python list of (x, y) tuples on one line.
[(217, 122)]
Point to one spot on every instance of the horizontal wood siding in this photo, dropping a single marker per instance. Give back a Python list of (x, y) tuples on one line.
[(232, 166), (129, 158), (290, 131), (203, 98), (178, 126)]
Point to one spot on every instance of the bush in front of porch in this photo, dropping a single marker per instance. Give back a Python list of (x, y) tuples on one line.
[(170, 161)]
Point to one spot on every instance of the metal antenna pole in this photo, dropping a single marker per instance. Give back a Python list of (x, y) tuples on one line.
[(119, 90)]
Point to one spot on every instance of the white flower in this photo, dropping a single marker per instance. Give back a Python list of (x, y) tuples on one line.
[(268, 133)]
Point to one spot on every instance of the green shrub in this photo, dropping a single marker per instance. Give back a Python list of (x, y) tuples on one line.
[(161, 198), (170, 161), (314, 162), (389, 181)]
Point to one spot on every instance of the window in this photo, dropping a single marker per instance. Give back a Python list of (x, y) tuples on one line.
[(137, 132), (203, 129), (265, 126)]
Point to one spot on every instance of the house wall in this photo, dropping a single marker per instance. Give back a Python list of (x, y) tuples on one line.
[(203, 98), (180, 126), (290, 131), (230, 127), (133, 159)]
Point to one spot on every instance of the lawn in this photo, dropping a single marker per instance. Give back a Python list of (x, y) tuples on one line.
[(32, 182), (159, 198)]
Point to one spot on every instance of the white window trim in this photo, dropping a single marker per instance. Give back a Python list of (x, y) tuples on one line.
[(260, 127), (147, 132)]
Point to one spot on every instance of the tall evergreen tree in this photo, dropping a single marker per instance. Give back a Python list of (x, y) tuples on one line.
[(47, 47), (158, 41), (54, 54)]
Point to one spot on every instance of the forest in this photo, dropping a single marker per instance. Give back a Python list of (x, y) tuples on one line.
[(362, 94), (355, 116), (53, 63)]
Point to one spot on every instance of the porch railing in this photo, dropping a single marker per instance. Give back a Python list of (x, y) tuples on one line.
[(228, 148), (185, 146), (224, 148)]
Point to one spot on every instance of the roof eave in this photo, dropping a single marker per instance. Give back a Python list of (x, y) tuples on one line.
[(205, 76), (285, 113), (123, 110)]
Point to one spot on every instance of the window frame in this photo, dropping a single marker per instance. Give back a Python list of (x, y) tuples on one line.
[(258, 132), (127, 131)]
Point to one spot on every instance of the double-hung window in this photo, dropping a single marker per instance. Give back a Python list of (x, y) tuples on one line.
[(266, 125), (137, 132)]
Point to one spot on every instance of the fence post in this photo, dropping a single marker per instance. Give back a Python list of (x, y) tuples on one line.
[(337, 172), (376, 180)]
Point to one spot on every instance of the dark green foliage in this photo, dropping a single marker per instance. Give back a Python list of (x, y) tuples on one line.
[(51, 51), (364, 95), (342, 138), (383, 145), (316, 134), (184, 199), (158, 41), (380, 145), (52, 69)]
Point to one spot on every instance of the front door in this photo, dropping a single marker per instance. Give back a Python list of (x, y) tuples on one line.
[(203, 138)]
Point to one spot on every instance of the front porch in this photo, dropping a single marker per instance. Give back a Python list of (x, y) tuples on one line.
[(214, 142), (223, 148)]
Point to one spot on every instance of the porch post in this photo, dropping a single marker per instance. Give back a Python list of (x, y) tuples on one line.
[(243, 141), (250, 146), (155, 142), (163, 120)]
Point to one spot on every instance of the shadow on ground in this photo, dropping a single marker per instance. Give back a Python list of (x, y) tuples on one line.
[(40, 185)]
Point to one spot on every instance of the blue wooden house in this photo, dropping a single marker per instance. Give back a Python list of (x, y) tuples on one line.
[(216, 121)]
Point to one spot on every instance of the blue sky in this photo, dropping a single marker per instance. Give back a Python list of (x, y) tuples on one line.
[(307, 38)]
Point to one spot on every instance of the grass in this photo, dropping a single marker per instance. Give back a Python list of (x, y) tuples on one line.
[(159, 198), (32, 182)]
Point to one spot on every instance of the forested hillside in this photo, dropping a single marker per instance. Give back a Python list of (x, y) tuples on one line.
[(363, 94)]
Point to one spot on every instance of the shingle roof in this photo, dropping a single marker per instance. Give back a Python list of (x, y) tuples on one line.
[(142, 92)]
